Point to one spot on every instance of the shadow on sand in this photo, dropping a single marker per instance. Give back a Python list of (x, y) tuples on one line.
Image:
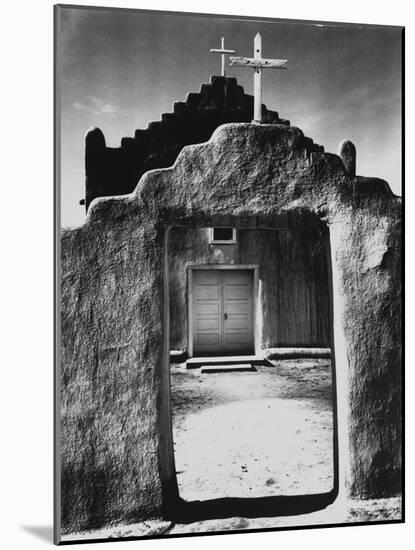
[(219, 508)]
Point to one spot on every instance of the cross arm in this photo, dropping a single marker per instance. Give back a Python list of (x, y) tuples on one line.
[(259, 63), (218, 50)]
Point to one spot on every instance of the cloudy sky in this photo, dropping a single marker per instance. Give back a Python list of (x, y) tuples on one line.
[(121, 69)]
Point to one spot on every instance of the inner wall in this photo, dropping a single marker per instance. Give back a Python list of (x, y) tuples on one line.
[(293, 300)]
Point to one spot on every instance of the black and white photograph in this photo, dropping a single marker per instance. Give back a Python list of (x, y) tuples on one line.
[(228, 330)]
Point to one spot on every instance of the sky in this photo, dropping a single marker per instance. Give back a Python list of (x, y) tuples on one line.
[(120, 69)]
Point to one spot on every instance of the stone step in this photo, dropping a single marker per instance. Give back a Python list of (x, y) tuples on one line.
[(297, 353), (180, 107), (192, 99), (197, 362), (169, 117), (239, 367)]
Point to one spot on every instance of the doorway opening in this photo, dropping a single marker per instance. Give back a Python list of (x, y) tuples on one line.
[(266, 431)]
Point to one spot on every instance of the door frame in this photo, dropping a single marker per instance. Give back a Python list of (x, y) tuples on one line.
[(212, 267)]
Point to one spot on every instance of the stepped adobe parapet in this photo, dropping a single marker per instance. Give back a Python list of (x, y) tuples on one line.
[(116, 171)]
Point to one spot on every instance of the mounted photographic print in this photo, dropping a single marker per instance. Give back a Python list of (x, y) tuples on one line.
[(228, 292)]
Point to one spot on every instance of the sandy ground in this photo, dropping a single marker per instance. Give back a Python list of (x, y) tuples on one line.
[(263, 434), (253, 434)]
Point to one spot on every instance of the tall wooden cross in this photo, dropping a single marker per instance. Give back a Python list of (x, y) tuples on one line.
[(222, 51), (258, 63)]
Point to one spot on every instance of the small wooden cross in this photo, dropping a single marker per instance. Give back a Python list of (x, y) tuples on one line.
[(258, 63), (222, 51)]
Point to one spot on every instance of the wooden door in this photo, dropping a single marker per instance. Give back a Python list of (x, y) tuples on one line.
[(237, 326), (222, 305), (207, 312)]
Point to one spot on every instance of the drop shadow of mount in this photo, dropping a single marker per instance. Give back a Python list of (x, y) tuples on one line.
[(228, 507)]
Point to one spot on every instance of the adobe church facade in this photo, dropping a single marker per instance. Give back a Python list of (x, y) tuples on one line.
[(286, 298), (311, 258)]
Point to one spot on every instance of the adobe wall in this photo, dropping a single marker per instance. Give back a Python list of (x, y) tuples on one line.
[(116, 170), (116, 447), (293, 306), (366, 245)]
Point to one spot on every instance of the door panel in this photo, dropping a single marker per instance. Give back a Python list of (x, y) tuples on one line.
[(208, 342), (222, 312), (237, 308), (235, 292), (206, 292), (207, 311), (211, 309), (207, 324), (237, 333), (238, 324)]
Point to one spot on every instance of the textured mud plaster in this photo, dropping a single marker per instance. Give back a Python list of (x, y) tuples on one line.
[(112, 384), (117, 452), (369, 263)]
